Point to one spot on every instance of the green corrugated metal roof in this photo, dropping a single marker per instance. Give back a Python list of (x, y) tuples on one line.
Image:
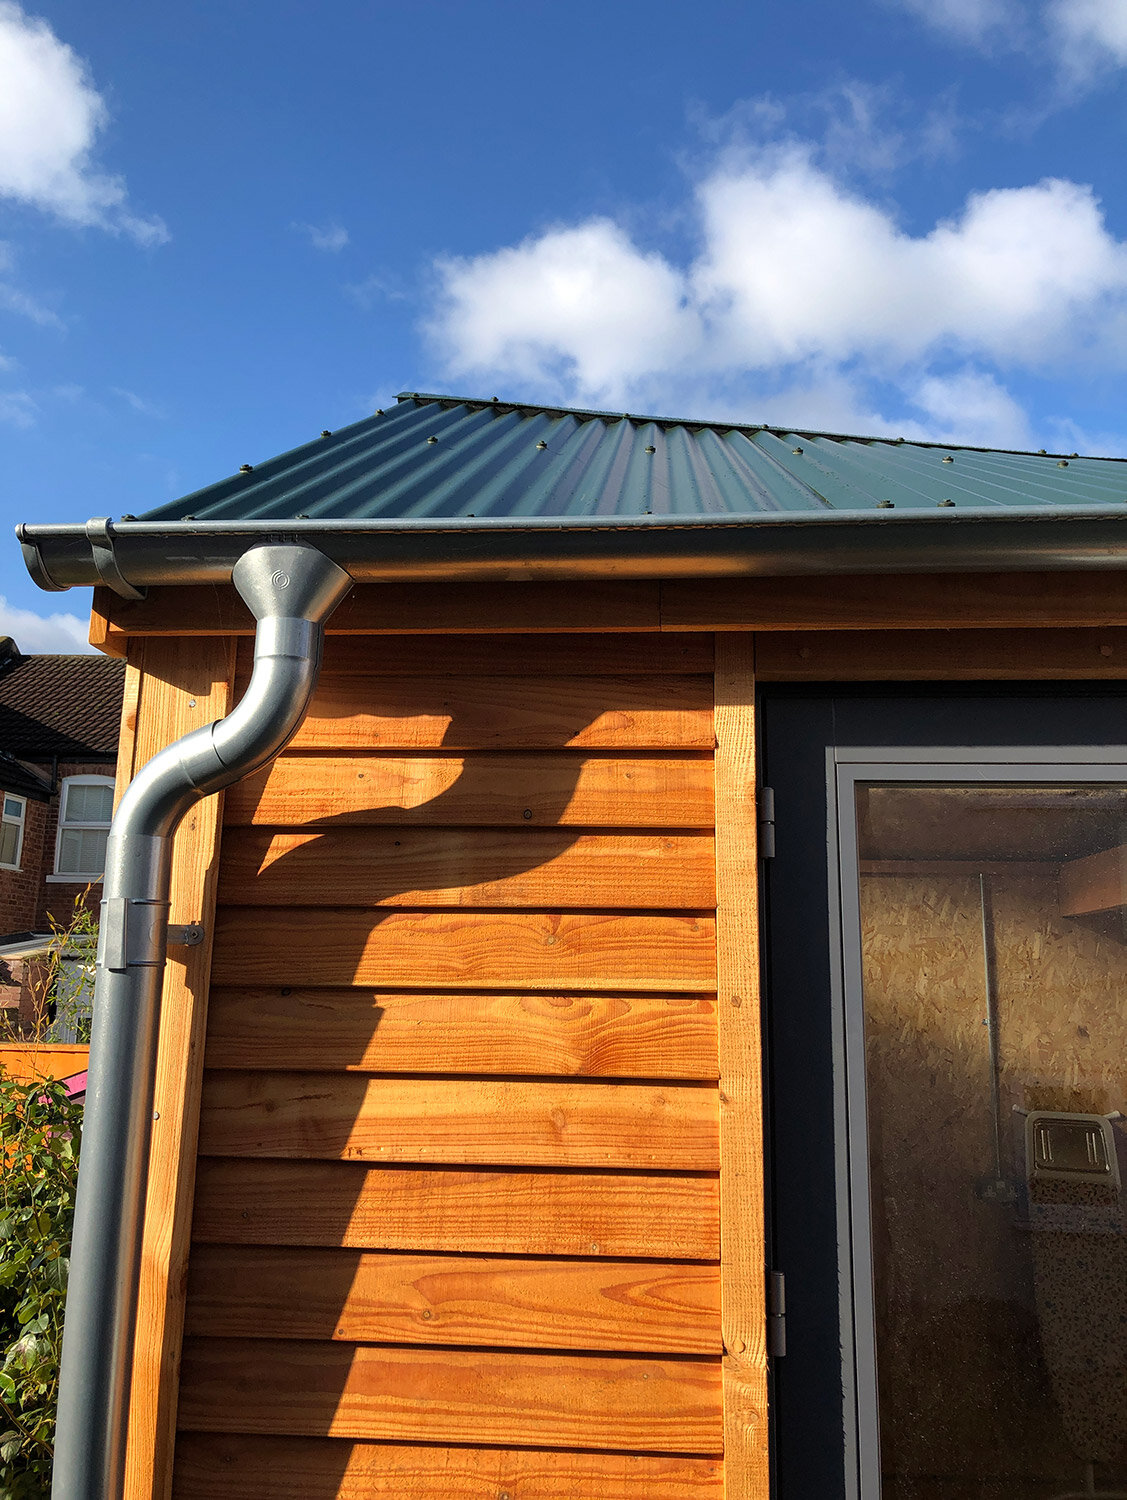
[(431, 457)]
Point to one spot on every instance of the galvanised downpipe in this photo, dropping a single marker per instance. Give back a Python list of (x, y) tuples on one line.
[(291, 590)]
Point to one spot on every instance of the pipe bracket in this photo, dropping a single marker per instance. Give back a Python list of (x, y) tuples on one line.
[(185, 935)]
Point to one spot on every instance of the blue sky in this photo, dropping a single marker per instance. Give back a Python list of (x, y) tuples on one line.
[(225, 226)]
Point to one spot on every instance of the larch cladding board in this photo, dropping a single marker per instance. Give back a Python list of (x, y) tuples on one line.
[(457, 1220)]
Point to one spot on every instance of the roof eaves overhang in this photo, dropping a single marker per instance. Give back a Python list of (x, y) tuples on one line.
[(131, 556)]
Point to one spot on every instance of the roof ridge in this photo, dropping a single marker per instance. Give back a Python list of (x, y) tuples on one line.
[(776, 429)]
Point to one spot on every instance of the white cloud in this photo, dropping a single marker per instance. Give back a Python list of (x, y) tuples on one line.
[(1082, 39), (331, 237), (18, 408), (1093, 34), (139, 404), (13, 299), (800, 284), (50, 118), (970, 20), (971, 407), (62, 634)]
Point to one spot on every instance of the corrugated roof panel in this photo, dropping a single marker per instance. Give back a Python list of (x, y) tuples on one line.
[(435, 457)]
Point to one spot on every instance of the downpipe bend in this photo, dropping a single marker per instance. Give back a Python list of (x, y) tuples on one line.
[(291, 590)]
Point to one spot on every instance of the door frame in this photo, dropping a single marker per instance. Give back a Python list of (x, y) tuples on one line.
[(797, 1429)]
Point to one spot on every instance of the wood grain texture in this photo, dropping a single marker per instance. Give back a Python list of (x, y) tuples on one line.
[(508, 713), (905, 601), (607, 1036), (487, 1213), (130, 704), (459, 1121), (472, 950), (531, 867), (941, 655), (450, 1395), (248, 1292), (403, 609), (1093, 884), (848, 601), (742, 1234), (185, 684), (511, 655), (565, 788), (221, 1467)]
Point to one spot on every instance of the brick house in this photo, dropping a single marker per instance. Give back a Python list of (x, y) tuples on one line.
[(59, 724)]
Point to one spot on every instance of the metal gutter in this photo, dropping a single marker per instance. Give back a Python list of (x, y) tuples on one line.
[(130, 556), (291, 590)]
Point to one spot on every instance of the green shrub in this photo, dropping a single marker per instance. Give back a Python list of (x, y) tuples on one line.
[(39, 1135)]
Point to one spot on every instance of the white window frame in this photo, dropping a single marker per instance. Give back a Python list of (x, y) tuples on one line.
[(20, 823), (85, 876)]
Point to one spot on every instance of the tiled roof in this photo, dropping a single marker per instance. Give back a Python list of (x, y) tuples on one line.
[(68, 706), (435, 457)]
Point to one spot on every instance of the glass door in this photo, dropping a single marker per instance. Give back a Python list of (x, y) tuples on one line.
[(948, 1085), (985, 937)]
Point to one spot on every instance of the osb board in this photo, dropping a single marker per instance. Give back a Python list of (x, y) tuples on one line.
[(955, 1304)]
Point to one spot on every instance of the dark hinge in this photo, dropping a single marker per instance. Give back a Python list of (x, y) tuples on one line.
[(766, 823), (776, 1314)]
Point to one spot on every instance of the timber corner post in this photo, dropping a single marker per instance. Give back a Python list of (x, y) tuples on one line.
[(742, 1238)]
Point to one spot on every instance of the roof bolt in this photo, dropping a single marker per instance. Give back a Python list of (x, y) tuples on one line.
[(496, 398), (246, 468), (650, 448), (948, 459), (302, 516), (1063, 463), (796, 450), (325, 432), (1044, 452), (944, 502), (432, 439), (187, 518), (541, 444), (379, 411), (886, 504), (1074, 455)]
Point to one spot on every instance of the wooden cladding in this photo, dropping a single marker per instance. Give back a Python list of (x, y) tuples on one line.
[(379, 1031), (459, 1133), (455, 867), (459, 1121), (511, 713), (878, 602), (475, 950), (211, 1466), (450, 1395), (556, 789), (247, 1202), (652, 1307)]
